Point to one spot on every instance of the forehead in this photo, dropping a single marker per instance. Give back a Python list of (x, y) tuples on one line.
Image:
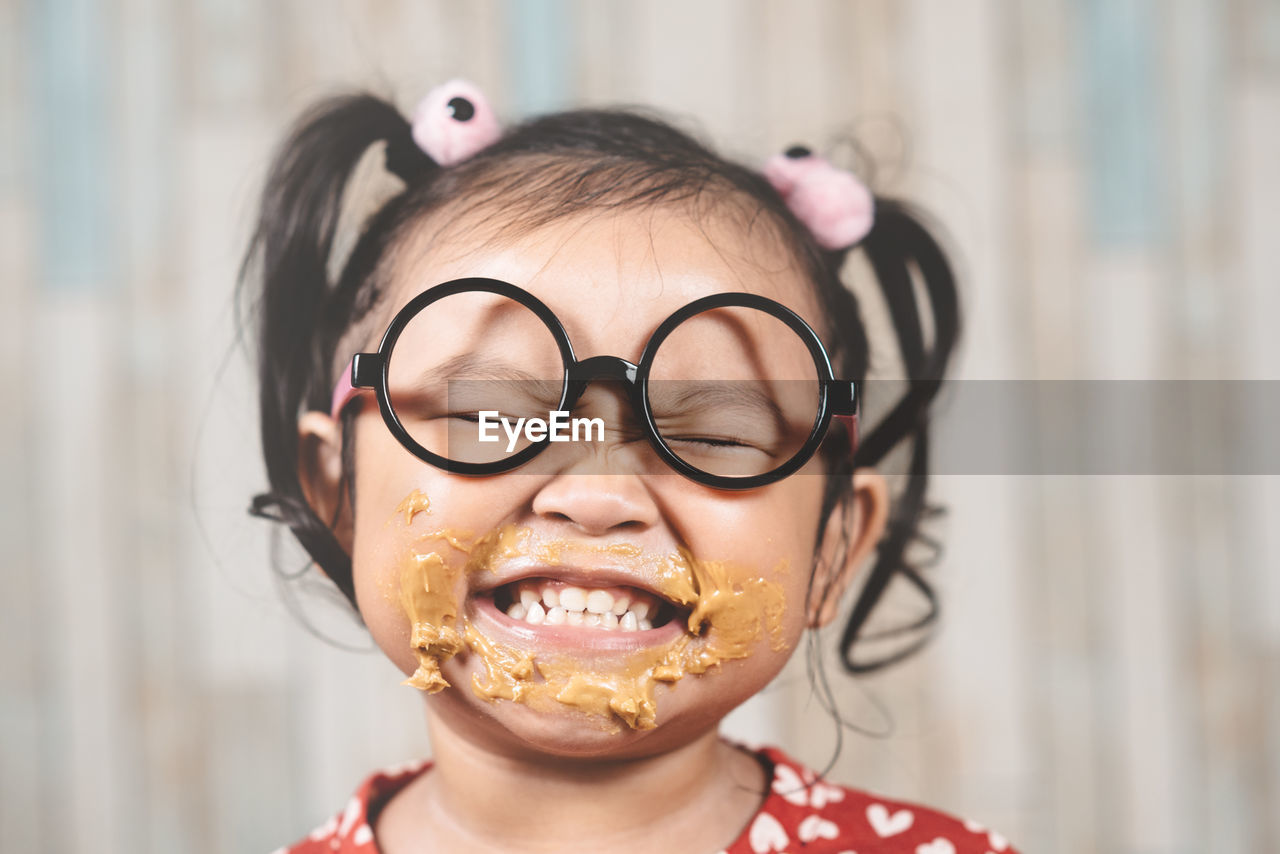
[(611, 276)]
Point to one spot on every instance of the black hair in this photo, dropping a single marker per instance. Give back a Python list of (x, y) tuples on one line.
[(306, 303)]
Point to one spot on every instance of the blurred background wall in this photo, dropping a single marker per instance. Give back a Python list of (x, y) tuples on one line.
[(1107, 675)]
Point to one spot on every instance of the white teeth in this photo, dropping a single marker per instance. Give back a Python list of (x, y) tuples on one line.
[(573, 599), (558, 605), (550, 597)]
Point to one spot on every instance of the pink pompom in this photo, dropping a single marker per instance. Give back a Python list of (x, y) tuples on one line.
[(453, 122), (837, 208)]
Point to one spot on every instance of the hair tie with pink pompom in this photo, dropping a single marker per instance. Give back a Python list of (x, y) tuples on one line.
[(837, 208), (454, 122)]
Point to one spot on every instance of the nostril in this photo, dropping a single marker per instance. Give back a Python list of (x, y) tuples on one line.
[(596, 502)]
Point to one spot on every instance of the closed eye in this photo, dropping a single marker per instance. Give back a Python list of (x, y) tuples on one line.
[(712, 441)]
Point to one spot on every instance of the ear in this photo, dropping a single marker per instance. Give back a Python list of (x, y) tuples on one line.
[(865, 512), (320, 473)]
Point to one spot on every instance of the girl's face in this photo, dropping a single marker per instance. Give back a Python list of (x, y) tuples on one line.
[(611, 518)]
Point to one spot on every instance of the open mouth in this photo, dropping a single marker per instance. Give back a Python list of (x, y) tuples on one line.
[(616, 608)]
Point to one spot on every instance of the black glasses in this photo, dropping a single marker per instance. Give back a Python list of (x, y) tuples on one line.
[(477, 377)]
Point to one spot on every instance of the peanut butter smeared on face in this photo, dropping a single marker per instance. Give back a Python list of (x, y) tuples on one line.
[(725, 622), (429, 594), (414, 503), (734, 611), (726, 618)]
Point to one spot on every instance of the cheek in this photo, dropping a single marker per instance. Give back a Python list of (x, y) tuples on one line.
[(772, 530), (389, 528), (386, 474)]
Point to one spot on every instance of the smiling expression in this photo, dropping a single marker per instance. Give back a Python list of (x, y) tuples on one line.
[(498, 585)]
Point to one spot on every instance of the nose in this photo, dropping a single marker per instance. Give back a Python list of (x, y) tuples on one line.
[(597, 503), (587, 494)]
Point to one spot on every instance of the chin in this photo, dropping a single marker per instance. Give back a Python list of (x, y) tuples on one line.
[(549, 731)]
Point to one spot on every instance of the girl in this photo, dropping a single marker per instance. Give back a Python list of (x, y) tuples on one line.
[(574, 427)]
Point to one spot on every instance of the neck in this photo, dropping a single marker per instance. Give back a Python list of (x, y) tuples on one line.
[(476, 798)]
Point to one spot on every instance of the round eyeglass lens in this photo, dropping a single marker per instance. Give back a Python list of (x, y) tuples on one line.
[(466, 369), (734, 392)]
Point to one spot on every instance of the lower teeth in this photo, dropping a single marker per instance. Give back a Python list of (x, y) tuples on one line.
[(535, 615)]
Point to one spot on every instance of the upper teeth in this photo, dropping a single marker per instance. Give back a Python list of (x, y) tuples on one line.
[(575, 606)]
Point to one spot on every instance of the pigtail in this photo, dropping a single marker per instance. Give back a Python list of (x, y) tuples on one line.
[(289, 261), (902, 252)]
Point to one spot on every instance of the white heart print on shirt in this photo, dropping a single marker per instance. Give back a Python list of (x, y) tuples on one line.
[(822, 794), (816, 827), (804, 793), (937, 846), (788, 784), (889, 825), (767, 834)]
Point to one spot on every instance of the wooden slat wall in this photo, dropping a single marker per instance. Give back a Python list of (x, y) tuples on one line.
[(1108, 673)]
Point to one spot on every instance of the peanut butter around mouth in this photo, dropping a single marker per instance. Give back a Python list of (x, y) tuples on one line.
[(725, 620)]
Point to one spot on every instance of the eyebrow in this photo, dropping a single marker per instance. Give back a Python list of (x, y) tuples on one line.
[(470, 369), (469, 366)]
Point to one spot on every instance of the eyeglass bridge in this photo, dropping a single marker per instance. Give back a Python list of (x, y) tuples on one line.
[(615, 368)]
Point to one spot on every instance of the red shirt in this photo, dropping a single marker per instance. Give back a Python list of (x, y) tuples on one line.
[(800, 813)]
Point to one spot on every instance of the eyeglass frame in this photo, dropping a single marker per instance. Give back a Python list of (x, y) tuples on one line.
[(837, 399)]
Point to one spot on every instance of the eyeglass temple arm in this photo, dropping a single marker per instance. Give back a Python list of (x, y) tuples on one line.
[(845, 403), (359, 374)]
